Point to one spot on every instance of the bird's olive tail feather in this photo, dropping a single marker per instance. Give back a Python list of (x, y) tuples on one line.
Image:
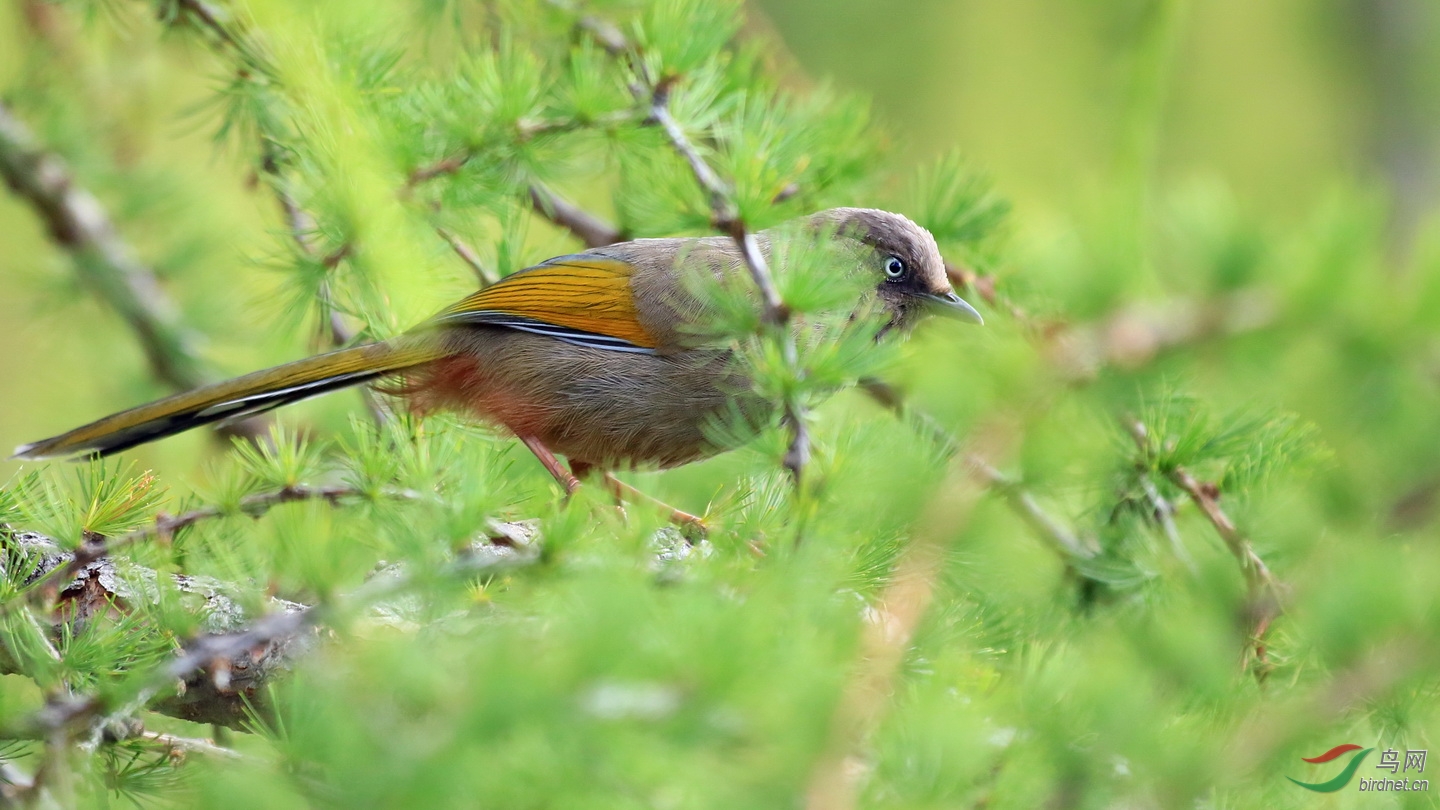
[(232, 399)]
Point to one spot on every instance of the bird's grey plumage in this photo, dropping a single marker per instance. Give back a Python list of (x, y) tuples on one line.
[(660, 408), (645, 394)]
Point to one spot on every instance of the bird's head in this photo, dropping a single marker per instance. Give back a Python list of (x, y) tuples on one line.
[(904, 262)]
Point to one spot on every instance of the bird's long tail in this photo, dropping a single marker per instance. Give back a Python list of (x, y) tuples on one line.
[(243, 396)]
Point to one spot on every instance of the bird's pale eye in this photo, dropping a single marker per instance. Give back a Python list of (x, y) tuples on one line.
[(895, 269)]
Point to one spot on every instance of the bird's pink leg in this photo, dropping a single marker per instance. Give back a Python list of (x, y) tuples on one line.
[(624, 491), (552, 464), (570, 480)]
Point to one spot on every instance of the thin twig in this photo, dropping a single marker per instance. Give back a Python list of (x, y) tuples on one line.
[(164, 527), (593, 231), (1021, 501), (775, 313), (1205, 497), (191, 745), (721, 208), (301, 228), (467, 254), (655, 96), (605, 33), (208, 18), (1164, 512), (1265, 591), (524, 130), (440, 168), (1070, 547), (259, 503), (59, 715), (588, 228), (78, 223)]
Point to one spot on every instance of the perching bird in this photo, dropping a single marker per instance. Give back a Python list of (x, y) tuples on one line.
[(594, 356)]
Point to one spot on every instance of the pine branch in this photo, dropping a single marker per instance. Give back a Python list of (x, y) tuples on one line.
[(1069, 546), (78, 224), (301, 227), (48, 586), (222, 673), (1164, 512), (587, 227), (593, 231), (775, 313), (1265, 591), (524, 130), (208, 18), (440, 168), (467, 254), (185, 745), (605, 33), (268, 635)]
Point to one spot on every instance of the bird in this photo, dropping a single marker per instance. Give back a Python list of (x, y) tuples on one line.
[(597, 356)]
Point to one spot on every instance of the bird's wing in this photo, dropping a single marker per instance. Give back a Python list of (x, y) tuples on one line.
[(582, 299)]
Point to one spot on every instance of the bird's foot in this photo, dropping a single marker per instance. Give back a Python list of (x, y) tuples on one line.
[(691, 526)]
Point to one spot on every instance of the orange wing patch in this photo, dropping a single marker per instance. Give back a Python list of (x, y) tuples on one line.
[(587, 293)]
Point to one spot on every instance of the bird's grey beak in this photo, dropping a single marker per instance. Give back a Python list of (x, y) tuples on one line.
[(955, 307)]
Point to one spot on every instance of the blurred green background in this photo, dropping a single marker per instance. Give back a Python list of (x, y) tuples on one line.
[(1280, 101)]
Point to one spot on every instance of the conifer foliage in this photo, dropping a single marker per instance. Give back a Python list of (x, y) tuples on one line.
[(1098, 553)]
